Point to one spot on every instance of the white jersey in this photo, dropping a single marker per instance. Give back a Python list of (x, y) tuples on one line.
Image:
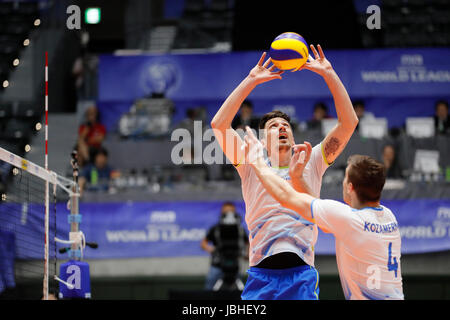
[(272, 228), (367, 248)]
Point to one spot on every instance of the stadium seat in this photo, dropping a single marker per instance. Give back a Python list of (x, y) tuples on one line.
[(5, 67), (28, 8), (219, 5), (194, 5), (6, 8), (28, 110), (10, 146), (17, 29), (17, 129)]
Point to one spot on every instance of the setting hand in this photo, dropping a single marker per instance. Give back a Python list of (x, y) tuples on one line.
[(262, 72), (299, 161), (319, 64)]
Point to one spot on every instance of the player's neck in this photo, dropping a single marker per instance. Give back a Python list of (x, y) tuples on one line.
[(281, 159), (360, 205)]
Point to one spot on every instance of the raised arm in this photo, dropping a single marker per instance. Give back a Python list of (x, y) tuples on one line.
[(336, 140), (228, 138), (277, 187)]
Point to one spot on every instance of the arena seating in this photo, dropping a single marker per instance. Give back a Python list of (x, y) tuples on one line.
[(201, 25), (160, 165), (16, 21), (18, 118), (409, 23)]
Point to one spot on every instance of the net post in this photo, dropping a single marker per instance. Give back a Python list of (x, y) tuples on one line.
[(74, 224)]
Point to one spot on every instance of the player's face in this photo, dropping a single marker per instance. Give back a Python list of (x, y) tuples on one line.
[(278, 135), (228, 208)]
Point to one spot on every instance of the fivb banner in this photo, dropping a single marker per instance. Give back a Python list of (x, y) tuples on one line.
[(163, 229), (367, 73), (395, 83)]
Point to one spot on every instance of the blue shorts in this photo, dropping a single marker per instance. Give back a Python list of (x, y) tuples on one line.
[(299, 283)]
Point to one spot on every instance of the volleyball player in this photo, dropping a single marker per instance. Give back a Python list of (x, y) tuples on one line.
[(282, 243), (367, 236)]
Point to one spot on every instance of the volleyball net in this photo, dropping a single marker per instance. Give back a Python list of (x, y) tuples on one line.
[(29, 216)]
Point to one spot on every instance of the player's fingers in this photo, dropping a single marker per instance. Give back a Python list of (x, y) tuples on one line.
[(316, 55), (307, 66), (263, 142), (251, 136), (263, 56), (301, 68), (294, 160), (266, 64), (301, 157), (308, 149), (322, 55), (299, 147), (272, 67), (275, 77)]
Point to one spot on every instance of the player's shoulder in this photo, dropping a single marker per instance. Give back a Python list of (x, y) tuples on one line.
[(389, 212), (318, 155), (333, 205)]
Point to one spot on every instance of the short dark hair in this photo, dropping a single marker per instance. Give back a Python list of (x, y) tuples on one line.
[(102, 151), (248, 103), (321, 105), (271, 115), (367, 176), (358, 103)]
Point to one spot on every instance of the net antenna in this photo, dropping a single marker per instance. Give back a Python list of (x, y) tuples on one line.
[(47, 195), (77, 242)]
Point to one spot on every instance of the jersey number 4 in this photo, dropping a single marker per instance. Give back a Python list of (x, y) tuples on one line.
[(392, 266)]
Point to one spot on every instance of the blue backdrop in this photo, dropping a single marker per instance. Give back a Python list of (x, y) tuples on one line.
[(164, 229), (395, 82)]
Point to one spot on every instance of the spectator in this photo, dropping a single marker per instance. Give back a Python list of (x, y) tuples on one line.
[(212, 242), (320, 112), (389, 158), (91, 134), (360, 110), (442, 118), (188, 122), (97, 175), (81, 160), (245, 117)]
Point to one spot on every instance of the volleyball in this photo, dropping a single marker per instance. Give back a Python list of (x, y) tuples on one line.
[(289, 51)]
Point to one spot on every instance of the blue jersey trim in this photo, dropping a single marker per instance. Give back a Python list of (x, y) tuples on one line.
[(373, 208)]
